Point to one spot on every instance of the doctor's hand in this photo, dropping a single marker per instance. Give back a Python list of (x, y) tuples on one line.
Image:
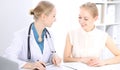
[(56, 60), (35, 66)]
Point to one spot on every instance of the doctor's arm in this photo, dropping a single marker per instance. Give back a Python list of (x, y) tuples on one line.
[(12, 52), (54, 58)]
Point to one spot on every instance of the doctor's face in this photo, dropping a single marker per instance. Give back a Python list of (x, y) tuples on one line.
[(86, 20), (50, 18)]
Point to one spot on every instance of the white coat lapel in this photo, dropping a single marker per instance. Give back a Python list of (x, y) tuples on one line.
[(35, 50), (47, 51)]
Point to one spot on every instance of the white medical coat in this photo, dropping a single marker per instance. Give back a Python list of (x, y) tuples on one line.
[(18, 49)]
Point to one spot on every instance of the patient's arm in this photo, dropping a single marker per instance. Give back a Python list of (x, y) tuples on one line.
[(68, 52), (116, 51)]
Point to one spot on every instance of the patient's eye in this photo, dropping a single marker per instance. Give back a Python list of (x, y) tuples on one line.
[(80, 17), (86, 19)]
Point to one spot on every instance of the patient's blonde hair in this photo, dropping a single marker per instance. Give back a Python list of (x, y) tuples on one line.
[(91, 7)]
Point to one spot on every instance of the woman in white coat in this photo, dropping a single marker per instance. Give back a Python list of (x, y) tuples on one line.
[(32, 47)]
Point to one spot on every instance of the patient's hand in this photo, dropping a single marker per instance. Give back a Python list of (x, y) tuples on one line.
[(95, 62), (85, 59), (92, 61)]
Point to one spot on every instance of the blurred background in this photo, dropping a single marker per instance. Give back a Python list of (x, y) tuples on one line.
[(14, 15)]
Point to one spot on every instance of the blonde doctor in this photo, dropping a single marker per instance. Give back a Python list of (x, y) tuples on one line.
[(32, 46)]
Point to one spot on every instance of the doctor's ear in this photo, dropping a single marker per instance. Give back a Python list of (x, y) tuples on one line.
[(43, 16)]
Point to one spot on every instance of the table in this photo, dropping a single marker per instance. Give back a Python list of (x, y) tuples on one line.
[(81, 66)]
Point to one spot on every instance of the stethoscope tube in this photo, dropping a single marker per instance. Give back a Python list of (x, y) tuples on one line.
[(28, 42)]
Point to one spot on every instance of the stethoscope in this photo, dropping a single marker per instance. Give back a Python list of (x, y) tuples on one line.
[(47, 35)]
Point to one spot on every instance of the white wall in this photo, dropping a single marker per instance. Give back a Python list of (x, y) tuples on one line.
[(14, 15), (66, 19)]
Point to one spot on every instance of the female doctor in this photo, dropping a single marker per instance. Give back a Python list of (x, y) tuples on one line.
[(32, 47)]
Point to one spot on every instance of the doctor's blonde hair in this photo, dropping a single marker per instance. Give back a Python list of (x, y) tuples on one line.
[(42, 7)]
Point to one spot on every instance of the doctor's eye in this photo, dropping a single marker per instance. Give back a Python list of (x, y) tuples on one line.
[(54, 16)]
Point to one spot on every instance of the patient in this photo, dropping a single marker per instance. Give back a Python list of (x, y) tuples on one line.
[(86, 44)]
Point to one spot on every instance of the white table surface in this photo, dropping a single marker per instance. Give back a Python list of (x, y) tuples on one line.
[(81, 66)]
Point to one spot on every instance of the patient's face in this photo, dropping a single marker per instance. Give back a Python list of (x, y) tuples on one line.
[(86, 20)]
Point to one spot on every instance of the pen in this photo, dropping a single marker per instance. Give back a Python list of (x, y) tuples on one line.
[(42, 64), (35, 69)]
